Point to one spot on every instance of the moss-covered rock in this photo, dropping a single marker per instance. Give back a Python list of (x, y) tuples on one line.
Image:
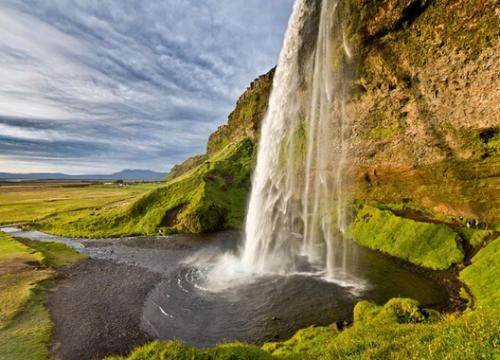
[(400, 329), (432, 245), (397, 310), (482, 276), (425, 121)]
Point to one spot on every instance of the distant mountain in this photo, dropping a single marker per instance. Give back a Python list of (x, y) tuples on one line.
[(128, 174)]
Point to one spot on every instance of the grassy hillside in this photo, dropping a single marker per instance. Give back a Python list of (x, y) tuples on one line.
[(211, 196), (205, 193), (481, 276)]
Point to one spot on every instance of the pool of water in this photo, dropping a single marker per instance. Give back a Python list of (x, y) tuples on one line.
[(194, 304)]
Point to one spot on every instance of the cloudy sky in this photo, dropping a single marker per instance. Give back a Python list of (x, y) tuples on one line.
[(94, 86)]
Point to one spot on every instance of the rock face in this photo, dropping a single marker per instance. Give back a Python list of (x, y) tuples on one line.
[(427, 111)]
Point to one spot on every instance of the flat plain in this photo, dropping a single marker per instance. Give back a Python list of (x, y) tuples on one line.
[(26, 202)]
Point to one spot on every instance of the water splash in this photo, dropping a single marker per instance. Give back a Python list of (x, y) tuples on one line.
[(296, 216)]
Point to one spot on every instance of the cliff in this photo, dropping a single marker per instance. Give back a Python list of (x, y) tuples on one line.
[(246, 119), (424, 137), (426, 113)]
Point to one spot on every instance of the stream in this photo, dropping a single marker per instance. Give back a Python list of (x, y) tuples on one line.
[(185, 305)]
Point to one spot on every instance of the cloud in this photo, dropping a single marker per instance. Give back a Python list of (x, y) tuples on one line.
[(105, 85)]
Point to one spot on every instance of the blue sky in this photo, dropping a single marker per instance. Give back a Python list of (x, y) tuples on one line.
[(98, 86)]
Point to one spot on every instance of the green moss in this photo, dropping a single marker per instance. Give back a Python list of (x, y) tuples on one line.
[(382, 133), (482, 275), (398, 310), (426, 244), (465, 296), (475, 237), (178, 351), (398, 330), (303, 344)]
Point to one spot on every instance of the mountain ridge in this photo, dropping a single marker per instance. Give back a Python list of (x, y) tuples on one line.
[(126, 174)]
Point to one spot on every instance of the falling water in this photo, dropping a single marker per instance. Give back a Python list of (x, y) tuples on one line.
[(296, 215)]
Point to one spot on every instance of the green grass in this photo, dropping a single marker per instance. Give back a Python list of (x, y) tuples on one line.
[(475, 237), (398, 330), (179, 351), (11, 249), (28, 335), (482, 276), (27, 202), (209, 197), (426, 244), (54, 254), (25, 270)]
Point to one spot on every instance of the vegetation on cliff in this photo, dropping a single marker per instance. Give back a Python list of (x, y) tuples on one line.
[(481, 276), (246, 119), (425, 116)]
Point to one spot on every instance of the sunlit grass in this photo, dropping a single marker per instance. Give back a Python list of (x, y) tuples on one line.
[(482, 276), (27, 202), (25, 269)]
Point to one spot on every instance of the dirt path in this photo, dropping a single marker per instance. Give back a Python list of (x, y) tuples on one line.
[(97, 309)]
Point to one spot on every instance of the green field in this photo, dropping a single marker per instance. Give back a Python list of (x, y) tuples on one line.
[(32, 201), (26, 270)]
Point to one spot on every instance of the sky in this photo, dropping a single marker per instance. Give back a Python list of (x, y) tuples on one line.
[(96, 86)]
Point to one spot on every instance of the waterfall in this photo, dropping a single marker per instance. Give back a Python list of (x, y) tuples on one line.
[(296, 215)]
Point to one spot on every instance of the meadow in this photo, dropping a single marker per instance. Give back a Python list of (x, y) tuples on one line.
[(27, 202)]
